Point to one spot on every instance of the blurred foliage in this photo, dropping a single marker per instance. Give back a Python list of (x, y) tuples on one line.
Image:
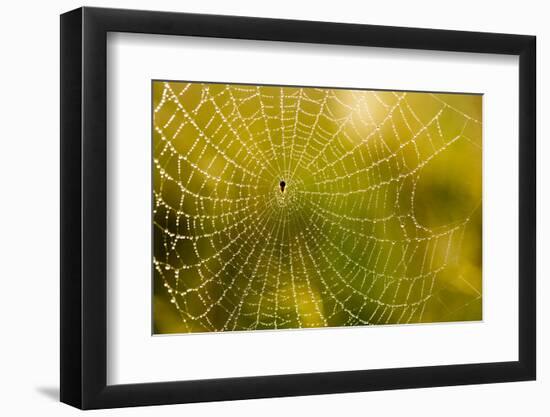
[(380, 220)]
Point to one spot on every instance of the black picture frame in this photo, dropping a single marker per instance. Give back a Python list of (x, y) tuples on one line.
[(84, 207)]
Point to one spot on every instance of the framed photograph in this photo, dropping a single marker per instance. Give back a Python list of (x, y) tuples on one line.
[(256, 208)]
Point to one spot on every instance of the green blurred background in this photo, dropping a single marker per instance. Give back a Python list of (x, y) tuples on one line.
[(380, 221)]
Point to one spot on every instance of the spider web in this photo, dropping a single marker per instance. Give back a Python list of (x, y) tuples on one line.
[(360, 235)]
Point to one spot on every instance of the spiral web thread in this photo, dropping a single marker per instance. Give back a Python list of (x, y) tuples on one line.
[(342, 245)]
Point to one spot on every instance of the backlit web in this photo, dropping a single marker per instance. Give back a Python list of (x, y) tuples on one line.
[(382, 191)]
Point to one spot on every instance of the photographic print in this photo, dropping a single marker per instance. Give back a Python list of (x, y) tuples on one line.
[(287, 207)]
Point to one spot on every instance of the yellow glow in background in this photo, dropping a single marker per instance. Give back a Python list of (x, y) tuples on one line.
[(379, 222)]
